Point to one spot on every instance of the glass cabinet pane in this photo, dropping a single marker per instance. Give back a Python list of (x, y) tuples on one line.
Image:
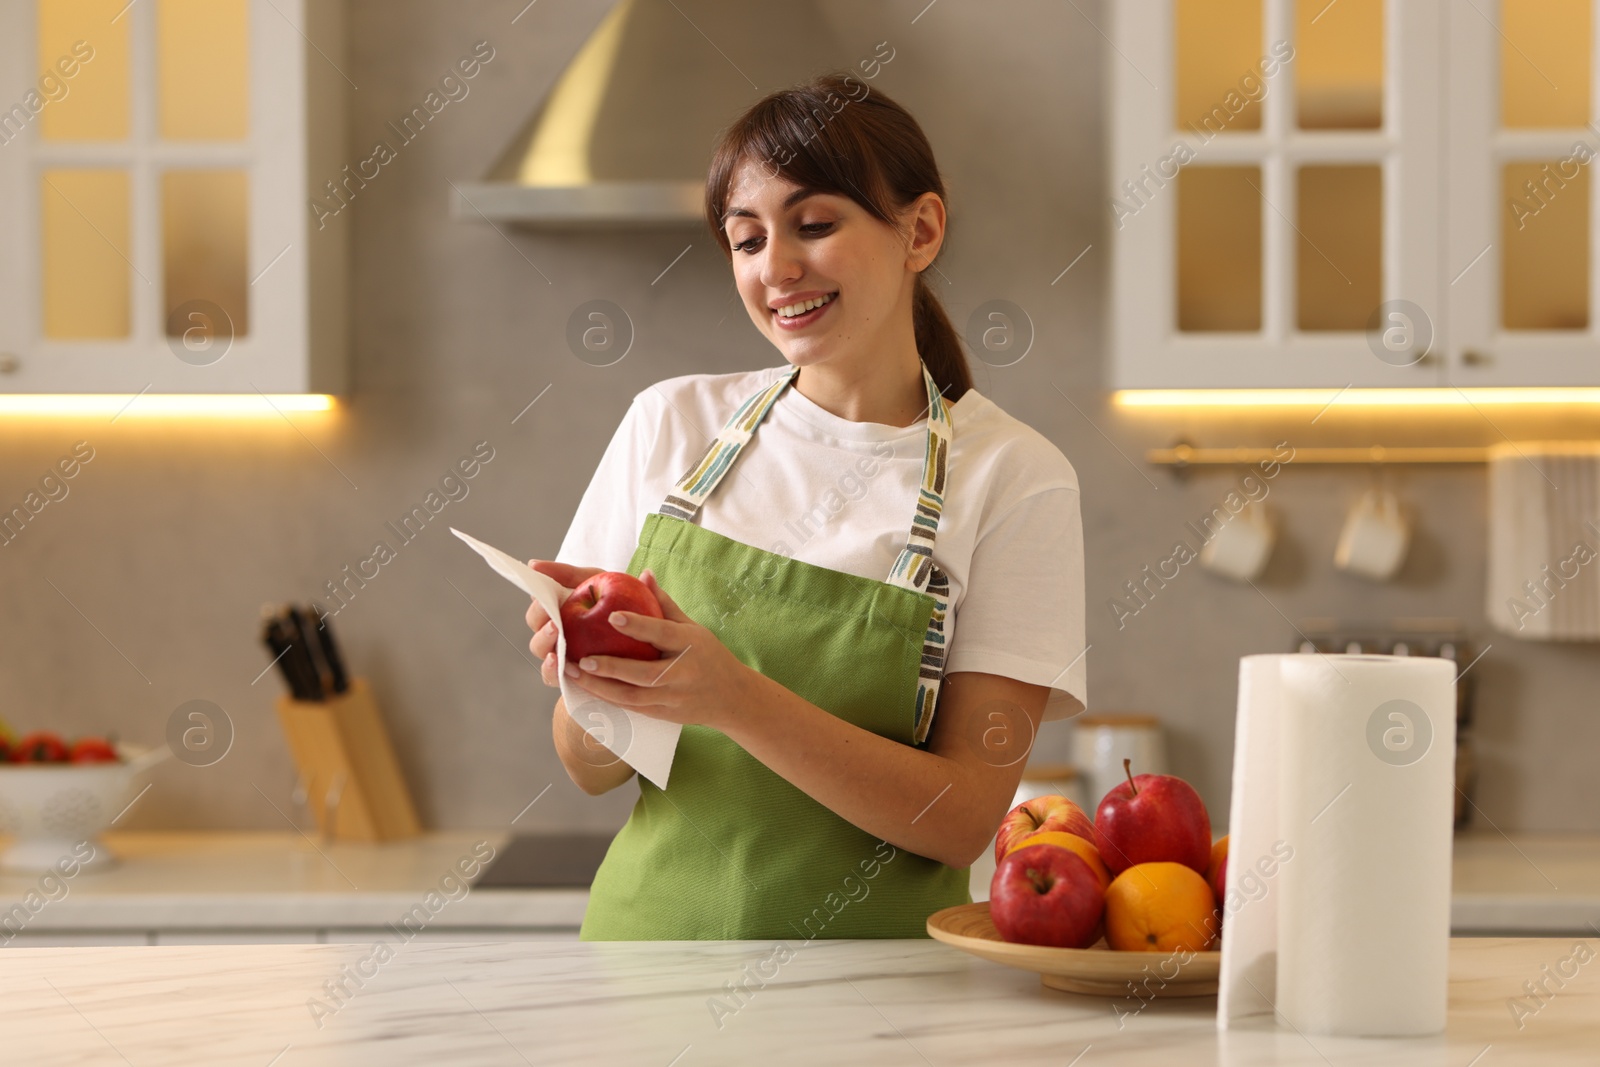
[(1339, 248), (205, 246), (84, 231), (83, 69), (1339, 64), (203, 65), (1544, 62), (1218, 43), (1544, 241), (1219, 248)]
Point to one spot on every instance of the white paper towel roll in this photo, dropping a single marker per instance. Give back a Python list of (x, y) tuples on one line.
[(1255, 854), (1365, 789)]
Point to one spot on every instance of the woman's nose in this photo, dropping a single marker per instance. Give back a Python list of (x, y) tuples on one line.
[(780, 264)]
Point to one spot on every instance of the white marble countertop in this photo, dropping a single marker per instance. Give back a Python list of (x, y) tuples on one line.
[(1525, 883), (831, 1002), (284, 881)]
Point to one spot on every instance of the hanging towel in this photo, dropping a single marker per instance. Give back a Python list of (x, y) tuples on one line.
[(1544, 540)]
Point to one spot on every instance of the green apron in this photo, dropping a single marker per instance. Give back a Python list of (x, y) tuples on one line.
[(730, 849)]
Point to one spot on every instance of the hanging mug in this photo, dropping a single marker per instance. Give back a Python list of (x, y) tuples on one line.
[(1239, 549), (1375, 537)]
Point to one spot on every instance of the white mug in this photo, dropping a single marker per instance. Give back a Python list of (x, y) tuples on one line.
[(1375, 536), (1240, 548), (1102, 742)]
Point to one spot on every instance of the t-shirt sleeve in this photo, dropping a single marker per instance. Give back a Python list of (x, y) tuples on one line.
[(1022, 613), (605, 528)]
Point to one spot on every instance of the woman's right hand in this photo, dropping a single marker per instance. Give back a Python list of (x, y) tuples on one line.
[(543, 644)]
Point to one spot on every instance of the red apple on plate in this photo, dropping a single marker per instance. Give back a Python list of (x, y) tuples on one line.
[(586, 617), (1047, 895), (1155, 818), (1038, 816)]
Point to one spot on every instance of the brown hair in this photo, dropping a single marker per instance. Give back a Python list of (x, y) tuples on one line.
[(835, 135)]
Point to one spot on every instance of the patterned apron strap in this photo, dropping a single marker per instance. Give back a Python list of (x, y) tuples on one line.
[(914, 568), (696, 485)]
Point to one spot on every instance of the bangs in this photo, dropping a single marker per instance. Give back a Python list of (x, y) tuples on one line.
[(804, 136)]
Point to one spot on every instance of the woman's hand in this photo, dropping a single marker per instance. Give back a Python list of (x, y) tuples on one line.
[(697, 681), (543, 644)]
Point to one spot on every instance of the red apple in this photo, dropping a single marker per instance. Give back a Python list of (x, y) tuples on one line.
[(1038, 815), (586, 617), (92, 750), (1155, 818), (1047, 895), (41, 746)]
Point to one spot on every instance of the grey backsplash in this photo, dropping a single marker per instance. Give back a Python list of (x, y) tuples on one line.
[(140, 590)]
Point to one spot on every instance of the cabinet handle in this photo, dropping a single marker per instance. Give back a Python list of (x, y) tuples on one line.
[(1473, 358), (1427, 358), (9, 364)]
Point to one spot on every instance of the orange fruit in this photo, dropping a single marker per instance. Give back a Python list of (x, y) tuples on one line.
[(1082, 846), (1160, 907), (1217, 869)]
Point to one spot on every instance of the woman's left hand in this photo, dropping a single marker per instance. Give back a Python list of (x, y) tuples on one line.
[(697, 681)]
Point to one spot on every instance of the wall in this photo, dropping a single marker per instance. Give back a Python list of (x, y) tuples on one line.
[(139, 591)]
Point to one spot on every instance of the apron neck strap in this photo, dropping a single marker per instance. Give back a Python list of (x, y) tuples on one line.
[(914, 566)]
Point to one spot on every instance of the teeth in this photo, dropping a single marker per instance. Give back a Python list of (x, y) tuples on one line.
[(804, 306)]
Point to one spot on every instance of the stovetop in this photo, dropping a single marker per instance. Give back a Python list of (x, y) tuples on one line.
[(545, 861)]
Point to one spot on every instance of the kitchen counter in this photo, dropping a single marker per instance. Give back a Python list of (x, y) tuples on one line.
[(282, 884), (288, 883), (1525, 884), (830, 1002)]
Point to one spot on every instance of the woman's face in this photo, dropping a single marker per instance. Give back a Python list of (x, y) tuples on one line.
[(790, 248)]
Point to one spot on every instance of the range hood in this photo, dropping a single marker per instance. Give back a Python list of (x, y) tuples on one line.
[(625, 136)]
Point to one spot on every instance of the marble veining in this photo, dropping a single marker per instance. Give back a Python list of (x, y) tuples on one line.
[(685, 1003)]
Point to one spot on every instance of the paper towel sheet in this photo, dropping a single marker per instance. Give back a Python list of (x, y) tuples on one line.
[(646, 744), (1543, 574), (1337, 916), (1248, 981)]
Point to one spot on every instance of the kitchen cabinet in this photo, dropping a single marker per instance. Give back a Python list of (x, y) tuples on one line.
[(161, 164), (1367, 193)]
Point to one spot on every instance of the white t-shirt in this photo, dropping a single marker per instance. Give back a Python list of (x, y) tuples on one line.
[(841, 494)]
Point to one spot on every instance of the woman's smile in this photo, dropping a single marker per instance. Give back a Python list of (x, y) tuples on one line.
[(803, 313)]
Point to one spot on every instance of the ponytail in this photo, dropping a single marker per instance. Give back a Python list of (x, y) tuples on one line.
[(938, 342)]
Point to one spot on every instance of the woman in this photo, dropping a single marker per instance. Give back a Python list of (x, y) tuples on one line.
[(815, 791)]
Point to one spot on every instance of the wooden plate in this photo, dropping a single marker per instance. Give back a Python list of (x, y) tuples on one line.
[(1098, 971)]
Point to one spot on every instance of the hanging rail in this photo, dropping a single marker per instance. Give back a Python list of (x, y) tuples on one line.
[(1185, 455)]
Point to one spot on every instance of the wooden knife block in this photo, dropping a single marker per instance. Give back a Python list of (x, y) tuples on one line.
[(344, 756)]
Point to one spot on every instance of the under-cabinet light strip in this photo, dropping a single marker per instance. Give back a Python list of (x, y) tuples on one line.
[(166, 405), (1398, 397)]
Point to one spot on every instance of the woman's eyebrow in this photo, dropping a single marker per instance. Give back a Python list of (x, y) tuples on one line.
[(789, 201)]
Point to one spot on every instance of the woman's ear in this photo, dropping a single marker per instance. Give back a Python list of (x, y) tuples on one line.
[(926, 217)]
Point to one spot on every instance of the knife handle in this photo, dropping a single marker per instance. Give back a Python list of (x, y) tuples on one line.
[(330, 649), (282, 648), (303, 638)]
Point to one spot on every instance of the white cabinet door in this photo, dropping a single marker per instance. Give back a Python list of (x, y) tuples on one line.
[(1264, 212), (1518, 259), (156, 162)]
